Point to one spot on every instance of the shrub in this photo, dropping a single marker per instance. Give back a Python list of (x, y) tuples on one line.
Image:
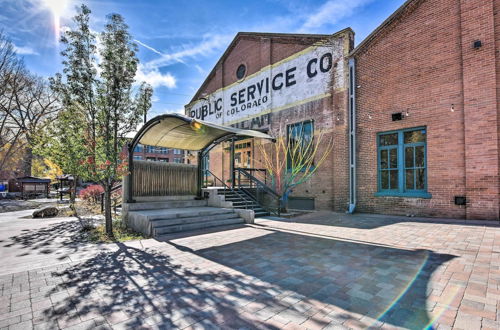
[(91, 193)]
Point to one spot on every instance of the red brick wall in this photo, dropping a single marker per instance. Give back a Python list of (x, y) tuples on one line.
[(423, 62), (329, 186), (496, 13)]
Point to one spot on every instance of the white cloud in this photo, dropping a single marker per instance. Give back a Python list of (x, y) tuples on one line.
[(25, 50), (331, 12), (154, 77), (178, 110), (210, 44)]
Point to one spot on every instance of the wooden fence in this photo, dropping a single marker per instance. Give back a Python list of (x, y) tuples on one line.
[(164, 179)]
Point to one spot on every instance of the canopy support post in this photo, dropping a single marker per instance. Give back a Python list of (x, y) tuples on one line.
[(200, 174), (232, 163), (129, 181)]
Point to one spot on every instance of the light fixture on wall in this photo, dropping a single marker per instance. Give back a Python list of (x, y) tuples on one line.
[(452, 109), (397, 116), (477, 44), (369, 116), (338, 117), (407, 113)]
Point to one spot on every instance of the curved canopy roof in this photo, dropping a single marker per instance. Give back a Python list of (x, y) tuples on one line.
[(182, 132)]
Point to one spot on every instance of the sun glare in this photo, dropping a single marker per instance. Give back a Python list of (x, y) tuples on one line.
[(57, 8)]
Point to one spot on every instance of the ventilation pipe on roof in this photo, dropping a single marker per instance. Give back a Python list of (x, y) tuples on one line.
[(352, 135)]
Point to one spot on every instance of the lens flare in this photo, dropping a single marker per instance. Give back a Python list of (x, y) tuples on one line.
[(57, 8), (196, 126), (438, 311)]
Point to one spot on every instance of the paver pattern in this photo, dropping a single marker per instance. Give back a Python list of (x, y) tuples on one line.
[(321, 270)]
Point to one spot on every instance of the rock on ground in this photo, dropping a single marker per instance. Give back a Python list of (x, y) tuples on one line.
[(46, 212)]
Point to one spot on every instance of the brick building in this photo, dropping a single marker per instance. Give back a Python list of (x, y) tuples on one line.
[(143, 152), (413, 109), (437, 63), (270, 82)]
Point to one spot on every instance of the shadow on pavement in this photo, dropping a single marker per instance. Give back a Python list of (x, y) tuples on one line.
[(384, 283), (63, 238), (134, 288)]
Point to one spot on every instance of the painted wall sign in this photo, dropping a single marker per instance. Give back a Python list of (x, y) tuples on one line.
[(302, 77)]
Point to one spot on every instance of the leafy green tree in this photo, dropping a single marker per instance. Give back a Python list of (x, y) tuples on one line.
[(100, 104)]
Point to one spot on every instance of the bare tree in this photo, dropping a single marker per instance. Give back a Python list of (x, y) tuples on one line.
[(26, 105), (294, 158)]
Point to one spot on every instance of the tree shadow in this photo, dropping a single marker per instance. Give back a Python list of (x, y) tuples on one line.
[(63, 239), (386, 284), (141, 288)]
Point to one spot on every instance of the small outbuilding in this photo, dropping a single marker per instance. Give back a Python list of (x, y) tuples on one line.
[(30, 186)]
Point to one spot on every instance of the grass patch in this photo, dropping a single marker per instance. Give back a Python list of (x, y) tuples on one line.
[(120, 231)]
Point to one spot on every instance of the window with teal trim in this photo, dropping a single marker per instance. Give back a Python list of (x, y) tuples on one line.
[(299, 139), (402, 163)]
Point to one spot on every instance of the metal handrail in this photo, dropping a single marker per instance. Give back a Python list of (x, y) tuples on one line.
[(257, 181), (225, 186), (250, 170), (262, 185)]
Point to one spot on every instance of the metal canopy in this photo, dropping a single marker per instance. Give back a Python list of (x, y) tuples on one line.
[(176, 131), (182, 132)]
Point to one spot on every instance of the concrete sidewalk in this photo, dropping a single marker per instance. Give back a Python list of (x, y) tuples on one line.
[(27, 243)]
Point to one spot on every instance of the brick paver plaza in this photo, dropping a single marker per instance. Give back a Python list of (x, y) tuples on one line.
[(322, 270)]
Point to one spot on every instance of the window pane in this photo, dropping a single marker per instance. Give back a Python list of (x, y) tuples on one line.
[(394, 158), (420, 182), (394, 179), (409, 179), (389, 139), (415, 136), (383, 159), (419, 156), (409, 157), (384, 177)]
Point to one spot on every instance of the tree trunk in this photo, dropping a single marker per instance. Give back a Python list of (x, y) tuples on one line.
[(107, 210), (72, 191), (28, 161)]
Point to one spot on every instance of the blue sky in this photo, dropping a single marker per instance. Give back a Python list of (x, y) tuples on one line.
[(180, 41)]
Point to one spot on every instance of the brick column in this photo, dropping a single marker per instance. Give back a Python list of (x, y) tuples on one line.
[(480, 110)]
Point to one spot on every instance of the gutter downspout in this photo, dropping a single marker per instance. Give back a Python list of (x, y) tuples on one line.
[(352, 135)]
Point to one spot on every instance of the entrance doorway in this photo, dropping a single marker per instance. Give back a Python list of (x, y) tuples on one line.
[(243, 153)]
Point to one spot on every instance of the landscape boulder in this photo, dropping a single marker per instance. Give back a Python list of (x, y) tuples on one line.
[(46, 212)]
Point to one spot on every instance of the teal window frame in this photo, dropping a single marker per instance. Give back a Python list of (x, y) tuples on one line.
[(290, 129), (400, 190)]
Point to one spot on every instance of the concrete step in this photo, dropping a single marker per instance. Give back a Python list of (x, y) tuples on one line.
[(166, 204), (159, 223), (243, 203), (233, 198), (195, 226), (163, 198), (174, 213)]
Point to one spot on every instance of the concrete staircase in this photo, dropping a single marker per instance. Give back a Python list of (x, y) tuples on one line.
[(161, 217), (242, 201)]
